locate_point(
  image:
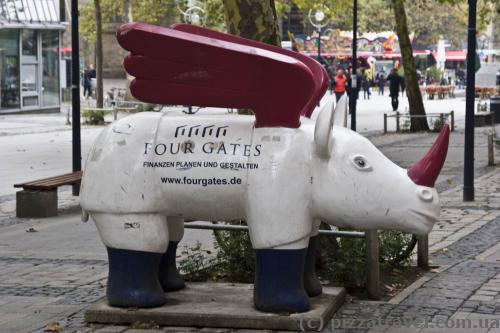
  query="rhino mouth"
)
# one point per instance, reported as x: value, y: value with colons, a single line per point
x: 428, y: 218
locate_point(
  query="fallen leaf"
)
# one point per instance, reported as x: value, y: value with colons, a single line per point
x: 53, y: 327
x: 445, y: 249
x: 31, y: 230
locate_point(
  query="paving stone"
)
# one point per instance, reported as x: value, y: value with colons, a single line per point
x: 112, y: 329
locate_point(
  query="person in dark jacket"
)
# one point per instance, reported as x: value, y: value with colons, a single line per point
x: 394, y: 85
x: 380, y: 78
x: 88, y: 75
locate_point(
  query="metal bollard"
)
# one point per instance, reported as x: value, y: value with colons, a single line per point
x: 452, y: 114
x: 491, y: 151
x: 397, y: 122
x: 385, y: 123
x: 423, y: 251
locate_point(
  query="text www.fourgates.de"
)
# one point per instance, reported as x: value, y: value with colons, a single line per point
x: 204, y: 182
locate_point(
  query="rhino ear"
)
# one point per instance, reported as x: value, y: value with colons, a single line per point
x: 323, y: 132
x: 340, y: 113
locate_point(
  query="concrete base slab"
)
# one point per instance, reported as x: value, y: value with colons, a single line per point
x: 224, y: 305
x: 36, y: 203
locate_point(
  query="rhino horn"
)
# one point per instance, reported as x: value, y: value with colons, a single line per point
x: 426, y: 171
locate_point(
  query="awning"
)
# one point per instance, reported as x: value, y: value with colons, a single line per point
x: 459, y: 55
x: 32, y: 14
x: 366, y: 54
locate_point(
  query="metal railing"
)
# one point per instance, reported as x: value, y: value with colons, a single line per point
x: 442, y: 117
x: 372, y: 250
x: 372, y: 267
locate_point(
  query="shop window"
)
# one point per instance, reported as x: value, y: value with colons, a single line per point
x: 30, y: 46
x: 9, y: 69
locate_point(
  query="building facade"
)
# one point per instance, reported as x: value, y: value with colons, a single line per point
x: 30, y: 61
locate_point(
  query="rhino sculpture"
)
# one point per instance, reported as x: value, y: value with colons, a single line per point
x: 279, y: 170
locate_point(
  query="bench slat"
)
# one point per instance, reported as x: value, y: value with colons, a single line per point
x: 52, y: 182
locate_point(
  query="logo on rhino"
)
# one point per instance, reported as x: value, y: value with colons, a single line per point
x: 206, y: 131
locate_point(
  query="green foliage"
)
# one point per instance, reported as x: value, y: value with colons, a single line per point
x: 160, y: 12
x: 196, y: 263
x: 344, y: 259
x: 93, y: 117
x: 111, y: 10
x: 437, y: 124
x: 405, y: 126
x: 235, y: 255
x: 143, y: 107
x: 234, y: 261
x: 435, y: 73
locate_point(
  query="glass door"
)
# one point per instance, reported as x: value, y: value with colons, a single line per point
x: 29, y: 68
x: 9, y: 69
x: 50, y: 68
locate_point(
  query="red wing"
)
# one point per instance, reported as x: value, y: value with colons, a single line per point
x: 176, y: 67
x: 319, y: 72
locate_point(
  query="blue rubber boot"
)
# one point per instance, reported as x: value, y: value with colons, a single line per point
x: 170, y: 278
x: 133, y: 279
x: 311, y: 281
x: 279, y: 281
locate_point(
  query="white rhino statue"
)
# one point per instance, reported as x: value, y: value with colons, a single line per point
x: 279, y: 170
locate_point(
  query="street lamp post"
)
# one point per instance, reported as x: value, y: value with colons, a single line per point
x: 193, y: 15
x: 317, y: 20
x: 354, y: 81
x: 468, y: 194
x: 75, y: 93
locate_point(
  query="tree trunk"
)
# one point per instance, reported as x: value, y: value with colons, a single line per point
x: 253, y: 19
x: 98, y: 54
x: 412, y: 88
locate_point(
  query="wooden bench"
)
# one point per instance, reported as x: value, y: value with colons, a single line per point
x: 39, y: 197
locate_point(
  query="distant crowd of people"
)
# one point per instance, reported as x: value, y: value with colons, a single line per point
x: 341, y: 83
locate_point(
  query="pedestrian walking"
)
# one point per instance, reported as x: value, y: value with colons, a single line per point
x: 394, y: 85
x: 88, y: 74
x: 339, y: 84
x: 365, y: 84
x: 381, y: 77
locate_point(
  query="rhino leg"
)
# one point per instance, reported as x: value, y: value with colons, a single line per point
x: 311, y: 281
x: 279, y: 281
x: 135, y: 244
x: 169, y: 275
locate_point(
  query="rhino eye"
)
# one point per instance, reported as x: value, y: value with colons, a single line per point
x: 361, y: 163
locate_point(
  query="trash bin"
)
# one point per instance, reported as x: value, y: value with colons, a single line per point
x: 495, y: 107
